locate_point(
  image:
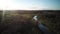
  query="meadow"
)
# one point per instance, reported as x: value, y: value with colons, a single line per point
x: 48, y: 18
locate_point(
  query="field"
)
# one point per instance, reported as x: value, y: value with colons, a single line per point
x: 49, y: 18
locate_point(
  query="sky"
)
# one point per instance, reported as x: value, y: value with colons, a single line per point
x: 29, y: 4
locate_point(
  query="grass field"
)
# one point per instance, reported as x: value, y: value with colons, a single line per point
x: 49, y: 19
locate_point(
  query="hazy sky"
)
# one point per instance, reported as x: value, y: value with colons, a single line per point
x: 30, y: 4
